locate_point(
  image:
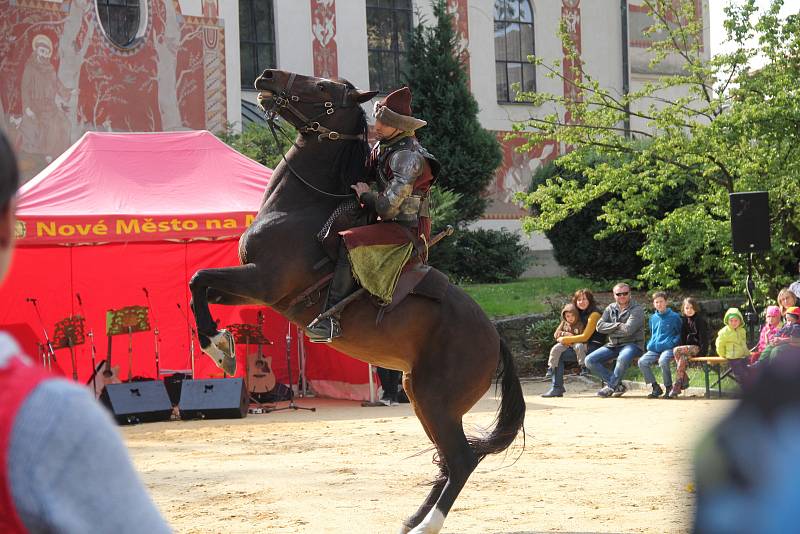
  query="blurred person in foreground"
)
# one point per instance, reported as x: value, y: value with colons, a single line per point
x: 747, y: 468
x: 63, y: 465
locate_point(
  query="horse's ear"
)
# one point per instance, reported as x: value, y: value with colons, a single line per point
x: 362, y: 96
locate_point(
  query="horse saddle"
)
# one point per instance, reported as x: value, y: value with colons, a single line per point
x: 420, y: 279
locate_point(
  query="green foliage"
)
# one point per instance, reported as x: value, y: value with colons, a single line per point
x: 481, y: 256
x: 257, y: 142
x: 582, y: 241
x: 468, y: 153
x: 526, y: 295
x: 732, y: 130
x: 444, y: 209
x: 541, y: 334
x: 574, y: 238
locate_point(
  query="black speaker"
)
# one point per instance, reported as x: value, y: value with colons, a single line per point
x: 137, y: 402
x: 750, y: 221
x: 216, y: 398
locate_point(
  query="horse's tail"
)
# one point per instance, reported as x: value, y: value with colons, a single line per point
x: 510, y: 415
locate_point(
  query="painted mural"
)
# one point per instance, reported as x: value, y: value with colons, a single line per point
x: 323, y: 28
x: 571, y: 15
x: 60, y: 75
x: 514, y: 175
x: 459, y: 10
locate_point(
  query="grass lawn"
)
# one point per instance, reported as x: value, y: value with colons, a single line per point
x: 527, y: 295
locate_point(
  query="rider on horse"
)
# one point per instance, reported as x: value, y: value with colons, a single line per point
x: 400, y: 172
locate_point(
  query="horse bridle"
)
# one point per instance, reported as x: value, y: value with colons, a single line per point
x: 284, y: 99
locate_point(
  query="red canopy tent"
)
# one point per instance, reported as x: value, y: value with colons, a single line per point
x: 119, y: 213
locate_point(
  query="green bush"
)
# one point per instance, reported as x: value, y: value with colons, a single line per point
x: 481, y: 256
x: 541, y: 335
x: 582, y: 242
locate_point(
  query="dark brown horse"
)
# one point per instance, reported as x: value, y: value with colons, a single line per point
x: 449, y: 351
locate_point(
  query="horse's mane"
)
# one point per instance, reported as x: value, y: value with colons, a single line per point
x: 349, y: 164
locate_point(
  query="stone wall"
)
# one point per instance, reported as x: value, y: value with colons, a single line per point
x: 532, y: 361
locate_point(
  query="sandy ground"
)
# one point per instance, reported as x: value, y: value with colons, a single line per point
x: 589, y: 465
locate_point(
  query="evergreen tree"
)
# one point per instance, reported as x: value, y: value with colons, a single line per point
x: 468, y: 153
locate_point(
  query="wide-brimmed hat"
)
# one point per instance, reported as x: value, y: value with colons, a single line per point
x: 395, y: 110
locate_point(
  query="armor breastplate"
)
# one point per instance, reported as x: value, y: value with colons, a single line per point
x: 408, y: 162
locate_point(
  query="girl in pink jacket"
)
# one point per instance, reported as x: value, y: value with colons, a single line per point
x: 768, y: 332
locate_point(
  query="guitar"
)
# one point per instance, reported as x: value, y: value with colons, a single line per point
x: 106, y: 373
x: 261, y: 379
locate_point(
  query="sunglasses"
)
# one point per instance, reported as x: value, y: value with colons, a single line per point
x: 622, y: 294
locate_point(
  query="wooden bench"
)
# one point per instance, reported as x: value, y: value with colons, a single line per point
x: 711, y: 362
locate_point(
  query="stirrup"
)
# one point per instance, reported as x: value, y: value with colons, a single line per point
x: 323, y: 331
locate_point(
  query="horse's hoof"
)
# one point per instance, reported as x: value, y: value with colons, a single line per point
x: 432, y: 524
x: 222, y: 350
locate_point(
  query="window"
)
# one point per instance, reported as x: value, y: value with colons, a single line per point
x: 513, y: 43
x: 120, y: 20
x: 256, y: 39
x: 388, y: 37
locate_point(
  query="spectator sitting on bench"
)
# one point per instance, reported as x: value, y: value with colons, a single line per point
x: 768, y: 332
x: 693, y: 342
x: 790, y: 333
x: 731, y: 344
x: 665, y: 333
x: 786, y: 299
x: 570, y: 325
x: 588, y: 314
x: 623, y: 322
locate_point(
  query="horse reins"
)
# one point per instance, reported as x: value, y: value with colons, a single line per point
x: 284, y: 100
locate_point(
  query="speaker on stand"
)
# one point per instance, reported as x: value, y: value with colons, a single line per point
x: 750, y: 232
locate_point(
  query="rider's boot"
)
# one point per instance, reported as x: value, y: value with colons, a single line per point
x: 327, y: 329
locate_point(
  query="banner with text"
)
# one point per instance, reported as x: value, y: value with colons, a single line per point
x: 121, y: 228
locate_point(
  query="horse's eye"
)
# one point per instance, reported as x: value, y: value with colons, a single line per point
x: 320, y: 87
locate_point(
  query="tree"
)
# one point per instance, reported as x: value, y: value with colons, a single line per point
x: 734, y: 130
x: 257, y: 142
x: 468, y: 153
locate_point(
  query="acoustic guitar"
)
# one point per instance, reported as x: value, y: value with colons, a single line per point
x: 261, y: 379
x: 106, y: 373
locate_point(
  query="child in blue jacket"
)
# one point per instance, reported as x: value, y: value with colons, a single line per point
x: 665, y: 333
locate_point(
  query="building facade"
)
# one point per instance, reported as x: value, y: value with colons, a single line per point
x: 69, y: 66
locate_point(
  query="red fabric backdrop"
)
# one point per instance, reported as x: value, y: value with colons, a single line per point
x: 112, y: 276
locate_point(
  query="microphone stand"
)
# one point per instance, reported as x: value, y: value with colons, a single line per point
x: 49, y: 355
x: 93, y: 351
x: 292, y: 405
x: 155, y: 331
x: 192, y: 335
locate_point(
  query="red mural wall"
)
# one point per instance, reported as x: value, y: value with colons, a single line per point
x: 323, y: 28
x: 60, y: 75
x: 459, y: 10
x: 571, y: 14
x: 514, y: 175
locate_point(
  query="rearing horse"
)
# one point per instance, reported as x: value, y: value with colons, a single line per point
x: 448, y: 350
